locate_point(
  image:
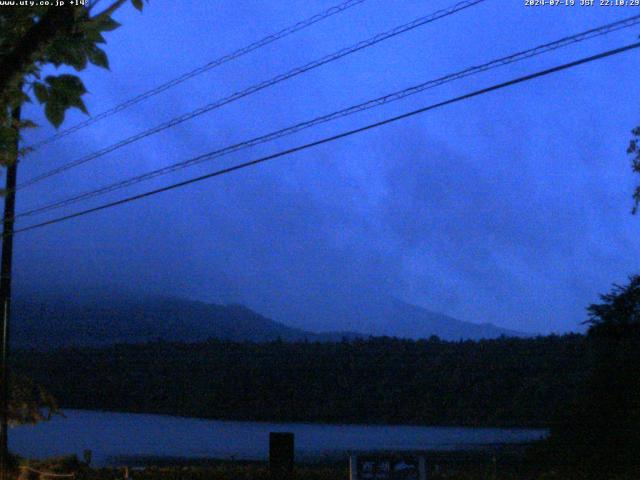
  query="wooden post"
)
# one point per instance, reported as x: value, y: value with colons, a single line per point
x: 422, y: 468
x: 353, y: 467
x: 281, y: 453
x: 5, y: 299
x: 87, y: 455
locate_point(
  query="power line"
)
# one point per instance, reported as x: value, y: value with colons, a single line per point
x: 519, y: 56
x: 322, y: 141
x: 257, y: 87
x: 204, y: 68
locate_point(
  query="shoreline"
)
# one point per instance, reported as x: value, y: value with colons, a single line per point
x: 227, y: 419
x: 507, y: 452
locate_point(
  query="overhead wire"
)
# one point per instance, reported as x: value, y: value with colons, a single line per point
x: 202, y: 69
x: 392, y: 97
x: 333, y: 138
x: 256, y: 88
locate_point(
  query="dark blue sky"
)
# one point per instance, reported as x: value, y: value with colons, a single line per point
x: 511, y: 208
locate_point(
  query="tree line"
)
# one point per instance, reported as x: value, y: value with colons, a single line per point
x: 501, y: 382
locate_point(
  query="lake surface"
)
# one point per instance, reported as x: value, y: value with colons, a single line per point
x: 112, y: 435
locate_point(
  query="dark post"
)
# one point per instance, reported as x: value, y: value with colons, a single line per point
x: 5, y: 299
x: 281, y: 450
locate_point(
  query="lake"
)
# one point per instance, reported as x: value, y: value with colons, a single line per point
x: 113, y: 435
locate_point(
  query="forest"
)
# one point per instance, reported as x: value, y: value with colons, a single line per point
x: 500, y: 382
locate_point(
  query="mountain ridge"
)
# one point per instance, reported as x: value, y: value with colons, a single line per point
x: 63, y: 322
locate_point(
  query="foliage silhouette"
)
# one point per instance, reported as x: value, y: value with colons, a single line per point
x: 39, y: 35
x: 502, y: 382
x: 32, y: 37
x: 601, y: 430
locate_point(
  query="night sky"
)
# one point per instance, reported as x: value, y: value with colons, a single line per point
x: 511, y: 208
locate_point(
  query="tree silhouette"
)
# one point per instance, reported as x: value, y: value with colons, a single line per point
x: 30, y: 402
x: 634, y: 149
x: 32, y: 37
x: 602, y: 430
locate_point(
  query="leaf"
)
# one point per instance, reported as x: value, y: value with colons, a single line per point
x: 73, y: 49
x: 41, y: 91
x: 64, y: 91
x: 74, y: 54
x: 98, y: 57
x: 106, y: 24
x: 79, y: 104
x: 55, y: 54
x: 137, y: 4
x: 65, y: 86
x: 55, y: 113
x: 92, y: 34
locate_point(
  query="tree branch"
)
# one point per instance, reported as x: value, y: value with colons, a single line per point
x: 56, y: 21
x: 111, y: 9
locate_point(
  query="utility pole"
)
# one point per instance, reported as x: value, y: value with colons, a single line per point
x: 5, y: 297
